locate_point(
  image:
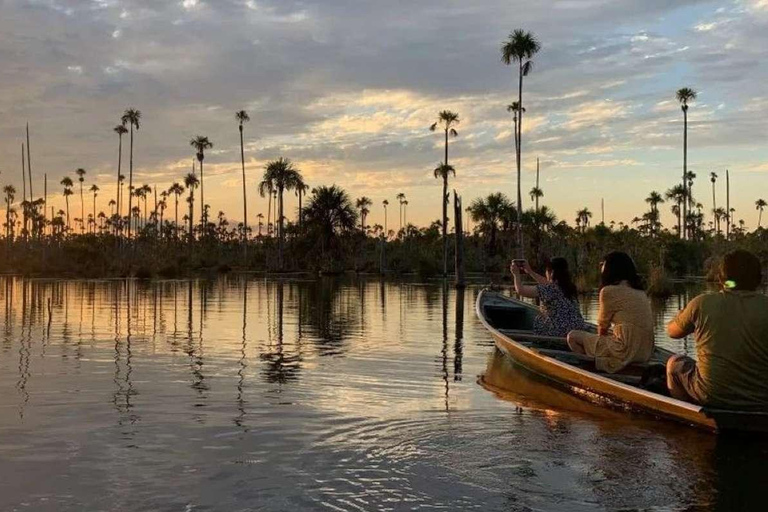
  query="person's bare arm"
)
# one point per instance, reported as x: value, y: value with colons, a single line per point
x: 523, y: 290
x: 684, y: 323
x: 536, y: 277
x: 675, y: 331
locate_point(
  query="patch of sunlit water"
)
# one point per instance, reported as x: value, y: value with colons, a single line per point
x: 245, y: 393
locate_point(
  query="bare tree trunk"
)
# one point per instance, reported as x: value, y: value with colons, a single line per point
x: 457, y: 211
x: 685, y: 173
x: 727, y: 205
x: 445, y: 208
x: 521, y: 249
x: 130, y: 187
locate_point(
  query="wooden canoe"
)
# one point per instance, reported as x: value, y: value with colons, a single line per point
x: 510, y: 322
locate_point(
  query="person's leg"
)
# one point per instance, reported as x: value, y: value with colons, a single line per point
x: 680, y: 372
x: 576, y: 341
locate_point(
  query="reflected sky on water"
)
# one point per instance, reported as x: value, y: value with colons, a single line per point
x: 250, y: 394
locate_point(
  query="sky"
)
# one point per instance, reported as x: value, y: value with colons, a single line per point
x: 347, y: 89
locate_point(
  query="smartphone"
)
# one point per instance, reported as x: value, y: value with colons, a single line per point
x: 519, y: 263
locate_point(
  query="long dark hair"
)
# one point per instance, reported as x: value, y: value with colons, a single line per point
x: 562, y: 277
x: 617, y: 267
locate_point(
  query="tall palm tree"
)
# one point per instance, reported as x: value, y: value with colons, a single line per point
x: 131, y: 117
x: 191, y: 182
x: 176, y: 190
x: 120, y: 130
x: 68, y: 184
x: 400, y: 198
x: 760, y: 205
x: 81, y: 178
x: 445, y: 120
x: 200, y: 144
x: 685, y: 96
x: 443, y: 171
x: 520, y: 47
x: 94, y: 188
x: 362, y: 204
x: 242, y: 117
x: 284, y: 176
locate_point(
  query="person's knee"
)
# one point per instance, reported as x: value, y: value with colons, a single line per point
x: 574, y: 341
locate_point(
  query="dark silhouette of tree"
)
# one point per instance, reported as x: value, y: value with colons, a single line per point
x: 131, y: 117
x: 445, y: 120
x: 520, y: 47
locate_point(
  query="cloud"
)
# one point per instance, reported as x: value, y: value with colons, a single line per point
x: 348, y: 89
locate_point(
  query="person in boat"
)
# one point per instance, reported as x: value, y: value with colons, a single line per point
x: 558, y: 295
x: 731, y: 332
x: 624, y: 319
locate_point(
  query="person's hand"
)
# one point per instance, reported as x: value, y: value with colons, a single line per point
x: 527, y: 267
x: 514, y: 269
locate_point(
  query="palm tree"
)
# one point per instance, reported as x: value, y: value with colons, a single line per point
x: 81, y: 178
x: 260, y: 216
x: 329, y: 213
x: 536, y: 194
x: 120, y: 130
x: 654, y: 199
x: 443, y: 171
x: 176, y: 190
x: 677, y: 194
x: 385, y: 203
x: 266, y: 187
x: 582, y: 218
x: 200, y: 144
x: 10, y: 194
x: 94, y: 188
x: 145, y: 191
x: 400, y: 198
x: 719, y: 214
x: 684, y: 96
x: 446, y: 120
x: 362, y: 204
x: 131, y: 117
x: 520, y: 47
x: 283, y: 176
x: 68, y: 184
x: 760, y: 204
x: 490, y: 214
x: 242, y: 117
x: 301, y: 191
x: 191, y: 182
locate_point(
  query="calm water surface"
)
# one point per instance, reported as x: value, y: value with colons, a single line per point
x: 252, y: 394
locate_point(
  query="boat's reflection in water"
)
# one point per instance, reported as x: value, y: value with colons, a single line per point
x: 724, y: 472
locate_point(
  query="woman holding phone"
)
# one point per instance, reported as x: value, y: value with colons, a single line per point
x: 558, y: 295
